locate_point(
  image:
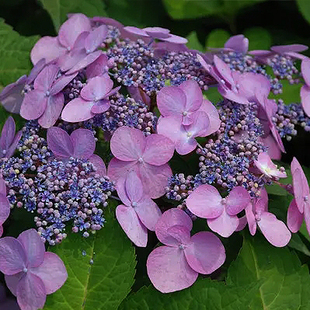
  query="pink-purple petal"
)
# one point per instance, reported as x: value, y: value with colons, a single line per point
x: 128, y: 144
x: 13, y: 258
x: 30, y: 292
x: 148, y: 212
x: 136, y: 31
x: 132, y: 226
x: 193, y: 95
x: 205, y: 202
x: 294, y: 217
x: 133, y: 187
x: 46, y: 78
x: 12, y: 281
x: 34, y: 105
x: 250, y: 219
x: 180, y: 233
x: 169, y: 271
x: 53, y: 110
x: 289, y: 48
x: 61, y: 83
x: 205, y: 253
x: 158, y: 150
x: 59, y: 142
x: 98, y: 67
x: 98, y: 164
x: 224, y: 225
x: 274, y: 230
x: 305, y: 98
x: 237, y: 200
x: 97, y: 88
x: 77, y: 110
x: 52, y: 272
x: 170, y: 218
x: 100, y: 106
x: 212, y: 112
x: 95, y: 38
x: 83, y: 142
x: 4, y: 208
x: 175, y: 39
x: 7, y: 133
x: 238, y: 43
x: 118, y: 168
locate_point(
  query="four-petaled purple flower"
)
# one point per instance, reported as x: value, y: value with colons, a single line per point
x: 30, y: 272
x: 138, y: 212
x: 221, y: 213
x: 80, y: 144
x: 148, y: 156
x: 176, y: 265
x: 94, y: 100
x: 8, y: 139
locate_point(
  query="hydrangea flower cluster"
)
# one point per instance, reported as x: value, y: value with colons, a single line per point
x: 144, y: 95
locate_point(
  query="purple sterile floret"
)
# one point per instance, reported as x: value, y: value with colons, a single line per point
x: 30, y: 272
x: 176, y: 265
x: 139, y: 212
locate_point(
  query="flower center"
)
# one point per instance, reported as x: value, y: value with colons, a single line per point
x: 134, y: 204
x: 140, y: 160
x: 306, y: 198
x: 185, y: 113
x: 189, y: 134
x: 25, y: 270
x: 47, y: 93
x: 223, y: 201
x: 181, y: 246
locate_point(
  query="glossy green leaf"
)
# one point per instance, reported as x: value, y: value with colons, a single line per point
x: 14, y: 54
x: 101, y: 270
x: 58, y: 9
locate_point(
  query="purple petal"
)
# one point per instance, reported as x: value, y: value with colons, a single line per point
x: 169, y: 271
x: 305, y: 99
x: 34, y: 105
x: 232, y: 95
x: 180, y: 233
x: 294, y: 217
x: 100, y: 106
x: 305, y: 70
x: 154, y: 179
x: 157, y: 32
x: 175, y: 39
x: 301, y: 188
x: 274, y: 230
x: 148, y: 212
x: 30, y: 292
x: 136, y: 31
x: 53, y: 110
x: 170, y: 218
x: 121, y: 189
x: 61, y: 83
x: 98, y: 164
x: 214, y: 119
x: 224, y: 225
x: 12, y: 97
x: 33, y: 246
x: 1, y: 230
x: 59, y: 142
x: 118, y: 168
x: 4, y: 208
x: 200, y: 125
x: 72, y: 28
x: 128, y: 144
x: 3, y: 190
x: 193, y: 95
x: 95, y: 38
x: 307, y: 216
x: 251, y: 219
x: 47, y: 48
x: 272, y: 147
x: 46, y: 78
x: 133, y: 187
x: 223, y: 69
x: 70, y: 59
x: 289, y: 48
x: 131, y: 225
x: 158, y: 150
x: 12, y: 256
x: 7, y: 133
x: 237, y: 200
x: 238, y: 43
x: 52, y: 272
x: 38, y: 67
x: 83, y: 142
x: 171, y: 101
x: 77, y: 110
x: 89, y: 59
x: 98, y: 67
x: 12, y: 281
x: 205, y: 253
x: 97, y: 88
x: 205, y: 202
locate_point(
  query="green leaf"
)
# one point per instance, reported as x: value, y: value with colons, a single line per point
x: 193, y: 42
x: 297, y: 244
x: 187, y: 9
x: 101, y: 270
x: 304, y: 8
x: 217, y: 38
x: 259, y: 38
x: 14, y: 54
x: 58, y: 9
x: 283, y: 278
x: 290, y: 94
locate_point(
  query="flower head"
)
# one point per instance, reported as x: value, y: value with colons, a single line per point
x: 138, y: 212
x: 176, y: 265
x: 148, y: 156
x: 221, y: 213
x: 30, y: 272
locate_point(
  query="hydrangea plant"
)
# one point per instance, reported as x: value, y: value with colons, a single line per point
x: 183, y: 170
